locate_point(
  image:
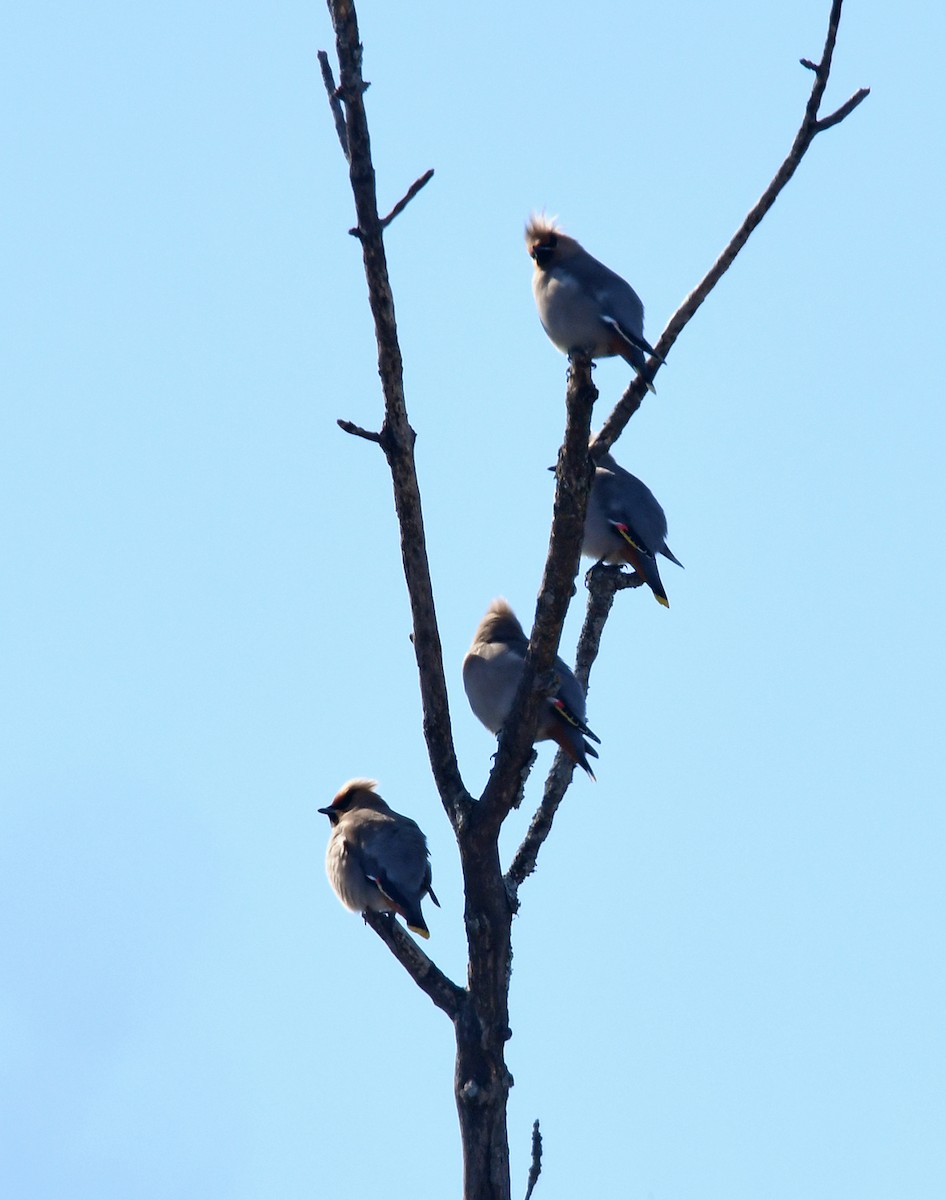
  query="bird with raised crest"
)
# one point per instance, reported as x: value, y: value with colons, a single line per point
x: 377, y: 860
x: 492, y: 669
x: 583, y: 305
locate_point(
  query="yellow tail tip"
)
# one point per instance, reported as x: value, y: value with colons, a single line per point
x: 424, y: 933
x: 662, y: 600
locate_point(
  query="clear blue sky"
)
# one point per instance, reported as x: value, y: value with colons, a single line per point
x: 729, y: 970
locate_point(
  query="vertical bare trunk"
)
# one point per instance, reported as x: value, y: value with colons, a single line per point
x: 482, y: 1080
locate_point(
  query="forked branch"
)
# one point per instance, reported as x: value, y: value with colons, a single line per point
x: 810, y: 127
x: 604, y: 582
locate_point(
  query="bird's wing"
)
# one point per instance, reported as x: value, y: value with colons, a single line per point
x: 627, y: 531
x: 394, y: 856
x: 633, y: 340
x: 491, y: 678
x: 629, y: 502
x: 643, y: 560
x: 569, y: 703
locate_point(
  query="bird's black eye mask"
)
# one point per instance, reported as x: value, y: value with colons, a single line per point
x: 542, y: 251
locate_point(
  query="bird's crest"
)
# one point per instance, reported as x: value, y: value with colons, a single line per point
x: 539, y: 228
x: 353, y: 792
x: 500, y: 624
x: 542, y: 239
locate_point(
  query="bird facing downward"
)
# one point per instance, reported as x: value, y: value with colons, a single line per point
x: 377, y: 859
x: 625, y: 524
x: 492, y: 669
x: 583, y: 305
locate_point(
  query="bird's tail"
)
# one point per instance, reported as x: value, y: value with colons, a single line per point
x: 572, y: 735
x: 643, y: 562
x: 632, y: 347
x: 648, y: 568
x: 416, y: 923
x: 633, y: 355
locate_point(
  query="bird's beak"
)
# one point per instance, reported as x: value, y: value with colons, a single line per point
x: 327, y: 811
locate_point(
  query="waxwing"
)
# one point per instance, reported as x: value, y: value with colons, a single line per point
x: 492, y: 669
x: 582, y: 304
x: 377, y: 859
x: 625, y: 524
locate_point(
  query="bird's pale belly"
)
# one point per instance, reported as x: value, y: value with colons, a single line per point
x: 571, y: 321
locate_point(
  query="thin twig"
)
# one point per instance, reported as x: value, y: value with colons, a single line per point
x: 407, y: 198
x: 356, y: 431
x: 808, y: 130
x: 525, y: 859
x: 425, y: 973
x: 603, y: 582
x: 845, y: 110
x: 334, y: 101
x: 536, y: 1169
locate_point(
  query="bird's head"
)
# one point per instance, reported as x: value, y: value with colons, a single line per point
x: 500, y: 624
x: 542, y: 240
x: 357, y: 793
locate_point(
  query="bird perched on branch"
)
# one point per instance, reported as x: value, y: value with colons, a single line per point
x: 377, y: 859
x: 492, y: 669
x: 583, y: 305
x: 625, y: 524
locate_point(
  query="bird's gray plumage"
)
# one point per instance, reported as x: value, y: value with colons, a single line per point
x: 377, y: 859
x: 625, y: 523
x: 492, y: 669
x: 582, y: 304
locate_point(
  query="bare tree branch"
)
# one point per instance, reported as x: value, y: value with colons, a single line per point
x: 447, y: 995
x: 525, y: 859
x: 603, y: 581
x: 397, y: 437
x: 407, y: 197
x: 356, y: 431
x: 536, y: 1169
x: 846, y: 108
x: 574, y: 473
x: 482, y: 1079
x: 333, y: 101
x: 810, y: 127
